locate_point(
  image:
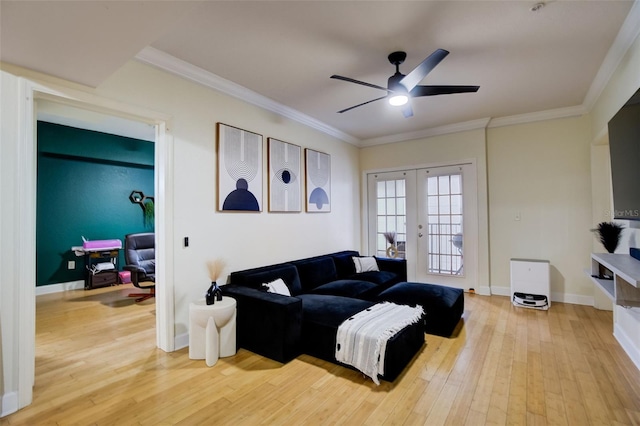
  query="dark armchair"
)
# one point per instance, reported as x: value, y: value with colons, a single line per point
x: 140, y: 258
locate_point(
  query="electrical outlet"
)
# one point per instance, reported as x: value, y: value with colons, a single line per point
x: 71, y: 264
x: 517, y: 216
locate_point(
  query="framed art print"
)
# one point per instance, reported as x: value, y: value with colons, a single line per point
x: 318, y: 181
x: 285, y: 188
x: 239, y: 169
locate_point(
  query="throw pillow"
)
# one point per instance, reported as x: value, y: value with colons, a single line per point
x: 278, y: 286
x: 365, y: 264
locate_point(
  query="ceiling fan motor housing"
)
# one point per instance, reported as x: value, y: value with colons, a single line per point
x: 393, y: 84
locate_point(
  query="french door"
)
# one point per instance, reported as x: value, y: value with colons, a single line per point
x: 391, y: 201
x: 447, y: 227
x: 432, y: 213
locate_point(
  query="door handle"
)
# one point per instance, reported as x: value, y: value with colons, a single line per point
x: 420, y: 234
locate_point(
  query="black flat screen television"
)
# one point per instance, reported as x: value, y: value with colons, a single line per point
x: 624, y: 149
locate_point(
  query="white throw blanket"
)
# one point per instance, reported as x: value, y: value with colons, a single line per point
x: 361, y: 341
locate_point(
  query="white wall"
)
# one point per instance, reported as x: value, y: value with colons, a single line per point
x: 541, y: 172
x: 242, y: 239
x: 624, y: 83
x: 449, y: 148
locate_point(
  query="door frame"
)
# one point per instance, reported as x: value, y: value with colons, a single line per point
x: 30, y: 91
x: 470, y: 226
x: 366, y: 220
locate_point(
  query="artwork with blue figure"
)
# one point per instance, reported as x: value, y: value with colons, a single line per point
x: 241, y: 198
x: 319, y: 197
x: 318, y: 181
x: 284, y: 176
x: 239, y: 169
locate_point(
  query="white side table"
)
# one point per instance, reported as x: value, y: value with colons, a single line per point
x: 212, y: 330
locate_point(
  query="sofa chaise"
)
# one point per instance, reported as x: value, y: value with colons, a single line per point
x: 324, y: 292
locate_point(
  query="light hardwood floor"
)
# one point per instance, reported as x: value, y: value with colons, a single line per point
x: 96, y: 363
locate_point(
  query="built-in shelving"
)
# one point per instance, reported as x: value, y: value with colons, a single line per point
x: 622, y: 284
x: 624, y: 290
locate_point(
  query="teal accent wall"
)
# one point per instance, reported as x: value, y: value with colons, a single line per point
x: 84, y: 182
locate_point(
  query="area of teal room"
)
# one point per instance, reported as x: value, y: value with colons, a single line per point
x: 84, y: 182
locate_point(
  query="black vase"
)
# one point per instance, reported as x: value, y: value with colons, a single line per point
x: 214, y: 293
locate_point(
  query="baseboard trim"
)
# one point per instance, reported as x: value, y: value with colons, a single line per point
x: 9, y: 403
x: 483, y: 290
x: 59, y: 288
x: 574, y: 299
x: 627, y: 344
x: 500, y: 291
x: 181, y: 341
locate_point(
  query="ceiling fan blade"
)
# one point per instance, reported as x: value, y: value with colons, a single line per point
x: 407, y: 111
x: 412, y: 79
x: 351, y: 80
x: 359, y: 105
x: 441, y: 90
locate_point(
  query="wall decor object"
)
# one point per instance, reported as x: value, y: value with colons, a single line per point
x: 147, y: 204
x: 285, y: 188
x: 318, y: 181
x: 239, y: 169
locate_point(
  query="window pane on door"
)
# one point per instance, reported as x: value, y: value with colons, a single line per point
x: 444, y: 206
x: 391, y: 216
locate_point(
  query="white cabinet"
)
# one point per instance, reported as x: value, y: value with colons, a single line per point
x: 530, y: 283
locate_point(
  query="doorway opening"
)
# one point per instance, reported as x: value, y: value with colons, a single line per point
x: 432, y: 213
x: 88, y: 164
x: 32, y: 93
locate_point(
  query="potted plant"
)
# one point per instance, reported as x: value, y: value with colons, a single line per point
x: 214, y: 293
x: 149, y: 212
x: 609, y: 234
x: 392, y: 250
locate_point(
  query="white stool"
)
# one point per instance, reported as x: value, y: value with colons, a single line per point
x: 212, y: 330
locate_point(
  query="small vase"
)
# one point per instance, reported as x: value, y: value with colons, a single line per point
x: 214, y: 293
x: 217, y: 292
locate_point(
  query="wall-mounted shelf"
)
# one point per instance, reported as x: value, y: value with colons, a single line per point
x: 623, y: 287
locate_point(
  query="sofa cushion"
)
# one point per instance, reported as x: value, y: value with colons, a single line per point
x: 443, y: 305
x: 383, y: 278
x: 330, y: 311
x: 322, y: 315
x: 365, y: 264
x: 344, y: 264
x: 346, y: 288
x: 315, y: 272
x: 288, y: 273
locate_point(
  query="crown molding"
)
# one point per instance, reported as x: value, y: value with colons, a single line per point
x: 166, y: 62
x: 549, y: 114
x: 626, y: 36
x: 426, y: 133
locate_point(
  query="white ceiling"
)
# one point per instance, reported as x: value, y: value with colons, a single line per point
x: 282, y: 53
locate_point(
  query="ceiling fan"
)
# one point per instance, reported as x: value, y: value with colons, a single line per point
x: 401, y: 87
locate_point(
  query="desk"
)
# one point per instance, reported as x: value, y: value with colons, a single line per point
x: 212, y: 330
x: 94, y: 256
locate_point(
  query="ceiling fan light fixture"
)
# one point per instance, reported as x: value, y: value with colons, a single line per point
x: 398, y: 100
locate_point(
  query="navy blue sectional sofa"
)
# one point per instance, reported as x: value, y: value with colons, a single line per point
x: 325, y: 291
